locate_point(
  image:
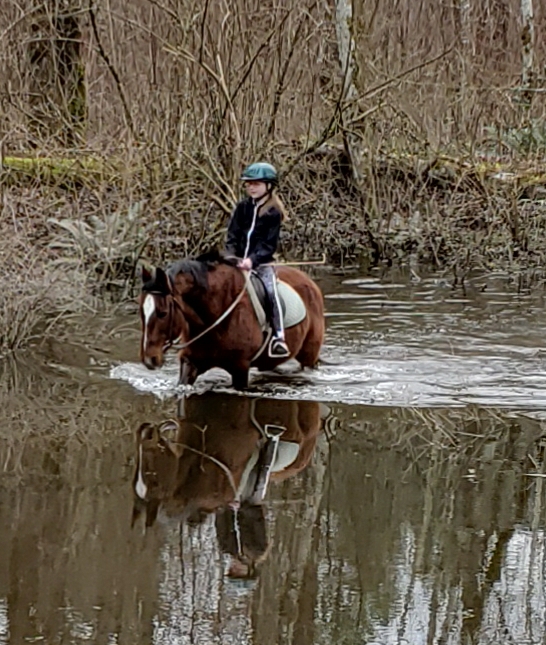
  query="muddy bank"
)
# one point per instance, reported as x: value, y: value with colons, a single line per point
x: 71, y: 241
x: 438, y: 211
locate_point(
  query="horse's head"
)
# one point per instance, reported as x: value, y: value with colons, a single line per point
x: 162, y: 317
x: 178, y: 472
x: 156, y: 467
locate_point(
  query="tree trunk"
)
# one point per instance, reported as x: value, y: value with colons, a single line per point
x: 461, y: 102
x: 347, y: 61
x: 56, y: 72
x: 527, y: 49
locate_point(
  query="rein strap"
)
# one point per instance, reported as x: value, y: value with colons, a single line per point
x: 216, y: 322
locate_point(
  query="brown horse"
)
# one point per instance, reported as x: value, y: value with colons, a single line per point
x: 184, y: 305
x: 210, y: 463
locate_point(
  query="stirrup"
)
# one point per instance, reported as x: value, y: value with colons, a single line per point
x: 278, y: 348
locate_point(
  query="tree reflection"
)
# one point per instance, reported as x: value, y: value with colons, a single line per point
x: 419, y: 526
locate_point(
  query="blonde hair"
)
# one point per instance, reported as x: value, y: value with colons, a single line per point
x: 274, y: 201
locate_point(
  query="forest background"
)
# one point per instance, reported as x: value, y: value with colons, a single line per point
x: 405, y: 131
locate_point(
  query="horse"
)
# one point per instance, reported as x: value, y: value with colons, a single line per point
x: 203, y: 304
x: 211, y: 462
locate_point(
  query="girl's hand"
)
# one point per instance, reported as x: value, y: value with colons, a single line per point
x: 245, y: 264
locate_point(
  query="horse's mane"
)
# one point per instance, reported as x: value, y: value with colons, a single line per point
x: 199, y: 266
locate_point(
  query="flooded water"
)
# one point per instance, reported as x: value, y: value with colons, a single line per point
x: 394, y: 342
x: 394, y: 496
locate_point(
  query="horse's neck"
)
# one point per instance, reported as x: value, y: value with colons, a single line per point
x: 226, y: 278
x: 224, y: 285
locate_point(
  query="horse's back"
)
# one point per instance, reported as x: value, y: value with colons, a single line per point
x: 305, y: 286
x: 313, y: 326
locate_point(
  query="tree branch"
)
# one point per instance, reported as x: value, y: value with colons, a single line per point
x: 112, y: 70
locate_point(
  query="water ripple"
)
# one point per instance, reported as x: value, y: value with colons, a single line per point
x: 396, y: 344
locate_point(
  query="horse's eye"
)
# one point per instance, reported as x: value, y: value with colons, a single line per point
x: 161, y: 314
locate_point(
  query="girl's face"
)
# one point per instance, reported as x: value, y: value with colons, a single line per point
x: 256, y: 189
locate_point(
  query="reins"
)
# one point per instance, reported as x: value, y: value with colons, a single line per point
x: 178, y: 346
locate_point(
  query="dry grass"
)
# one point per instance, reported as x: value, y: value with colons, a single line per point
x: 31, y: 293
x: 465, y: 439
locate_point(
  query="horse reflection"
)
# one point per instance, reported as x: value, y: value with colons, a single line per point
x: 220, y: 460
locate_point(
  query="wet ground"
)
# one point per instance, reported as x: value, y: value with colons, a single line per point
x: 404, y: 503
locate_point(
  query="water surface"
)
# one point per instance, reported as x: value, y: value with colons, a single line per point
x: 391, y: 341
x: 408, y: 506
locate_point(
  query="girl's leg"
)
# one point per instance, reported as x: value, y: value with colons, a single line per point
x: 278, y: 346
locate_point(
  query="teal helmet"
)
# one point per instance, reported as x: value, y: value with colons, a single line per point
x: 260, y: 171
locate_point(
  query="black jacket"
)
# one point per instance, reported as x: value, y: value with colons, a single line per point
x: 264, y: 231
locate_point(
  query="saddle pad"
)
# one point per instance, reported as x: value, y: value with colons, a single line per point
x: 293, y: 308
x: 287, y: 453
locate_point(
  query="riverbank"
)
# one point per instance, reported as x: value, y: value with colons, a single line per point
x: 71, y: 231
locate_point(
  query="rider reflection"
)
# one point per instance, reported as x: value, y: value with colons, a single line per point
x: 242, y: 533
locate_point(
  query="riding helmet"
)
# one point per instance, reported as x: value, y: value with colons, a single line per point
x: 260, y: 171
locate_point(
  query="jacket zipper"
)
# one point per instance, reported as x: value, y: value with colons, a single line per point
x: 251, y: 229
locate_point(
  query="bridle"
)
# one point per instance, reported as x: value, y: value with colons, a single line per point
x: 172, y: 303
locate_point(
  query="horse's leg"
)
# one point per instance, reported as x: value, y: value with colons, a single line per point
x: 188, y: 373
x: 239, y: 378
x: 308, y: 356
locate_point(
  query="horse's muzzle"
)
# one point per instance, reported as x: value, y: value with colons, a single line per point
x: 152, y: 362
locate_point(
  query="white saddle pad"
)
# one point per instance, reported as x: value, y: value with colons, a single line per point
x: 293, y: 307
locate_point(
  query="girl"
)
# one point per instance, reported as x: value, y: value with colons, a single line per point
x: 253, y: 235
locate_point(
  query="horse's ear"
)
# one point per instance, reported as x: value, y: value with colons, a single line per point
x: 163, y: 282
x: 170, y: 425
x: 145, y: 431
x: 137, y: 512
x: 146, y: 274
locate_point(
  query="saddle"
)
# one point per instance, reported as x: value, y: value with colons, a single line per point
x: 293, y: 308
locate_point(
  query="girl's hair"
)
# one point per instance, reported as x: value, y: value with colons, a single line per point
x: 274, y: 201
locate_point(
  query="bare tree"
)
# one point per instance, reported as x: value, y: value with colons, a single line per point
x: 349, y: 92
x: 55, y: 71
x: 527, y: 47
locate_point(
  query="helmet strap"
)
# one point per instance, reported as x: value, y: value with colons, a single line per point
x: 262, y: 200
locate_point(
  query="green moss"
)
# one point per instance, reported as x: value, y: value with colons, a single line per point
x: 82, y: 171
